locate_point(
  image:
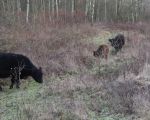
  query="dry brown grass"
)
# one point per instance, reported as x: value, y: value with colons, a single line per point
x: 71, y: 71
x: 57, y: 50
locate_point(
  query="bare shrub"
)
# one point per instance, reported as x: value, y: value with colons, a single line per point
x: 129, y: 97
x: 121, y: 96
x: 142, y: 102
x: 57, y: 50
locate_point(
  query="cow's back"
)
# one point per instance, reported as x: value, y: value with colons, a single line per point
x: 120, y: 39
x: 11, y: 60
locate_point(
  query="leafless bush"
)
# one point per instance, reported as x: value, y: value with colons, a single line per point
x: 142, y: 102
x: 57, y: 50
x: 121, y: 96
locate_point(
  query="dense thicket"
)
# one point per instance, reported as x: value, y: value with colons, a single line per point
x: 73, y: 11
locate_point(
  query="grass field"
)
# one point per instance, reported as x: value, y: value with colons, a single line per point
x: 76, y: 85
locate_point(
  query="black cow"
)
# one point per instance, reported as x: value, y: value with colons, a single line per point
x: 117, y: 42
x: 18, y: 67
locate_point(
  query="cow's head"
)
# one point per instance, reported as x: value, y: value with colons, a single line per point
x: 111, y: 40
x: 96, y: 54
x: 38, y: 75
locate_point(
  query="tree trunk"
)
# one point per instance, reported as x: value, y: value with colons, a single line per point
x: 49, y: 8
x: 93, y: 6
x: 27, y: 14
x: 18, y: 10
x: 57, y: 8
x: 117, y: 7
x: 105, y: 10
x: 3, y: 6
x: 53, y: 7
x: 72, y: 8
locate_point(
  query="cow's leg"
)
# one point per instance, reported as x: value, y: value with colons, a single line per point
x: 12, y: 82
x: 1, y: 88
x: 13, y: 75
x: 17, y: 78
x: 116, y: 50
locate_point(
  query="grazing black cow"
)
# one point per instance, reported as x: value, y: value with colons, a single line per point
x: 18, y: 67
x: 117, y: 42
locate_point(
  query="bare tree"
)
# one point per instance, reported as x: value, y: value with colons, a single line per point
x: 56, y: 8
x: 72, y: 8
x: 18, y: 10
x: 105, y: 10
x: 94, y: 10
x: 27, y: 13
x: 49, y: 9
x: 53, y: 7
x: 92, y: 15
